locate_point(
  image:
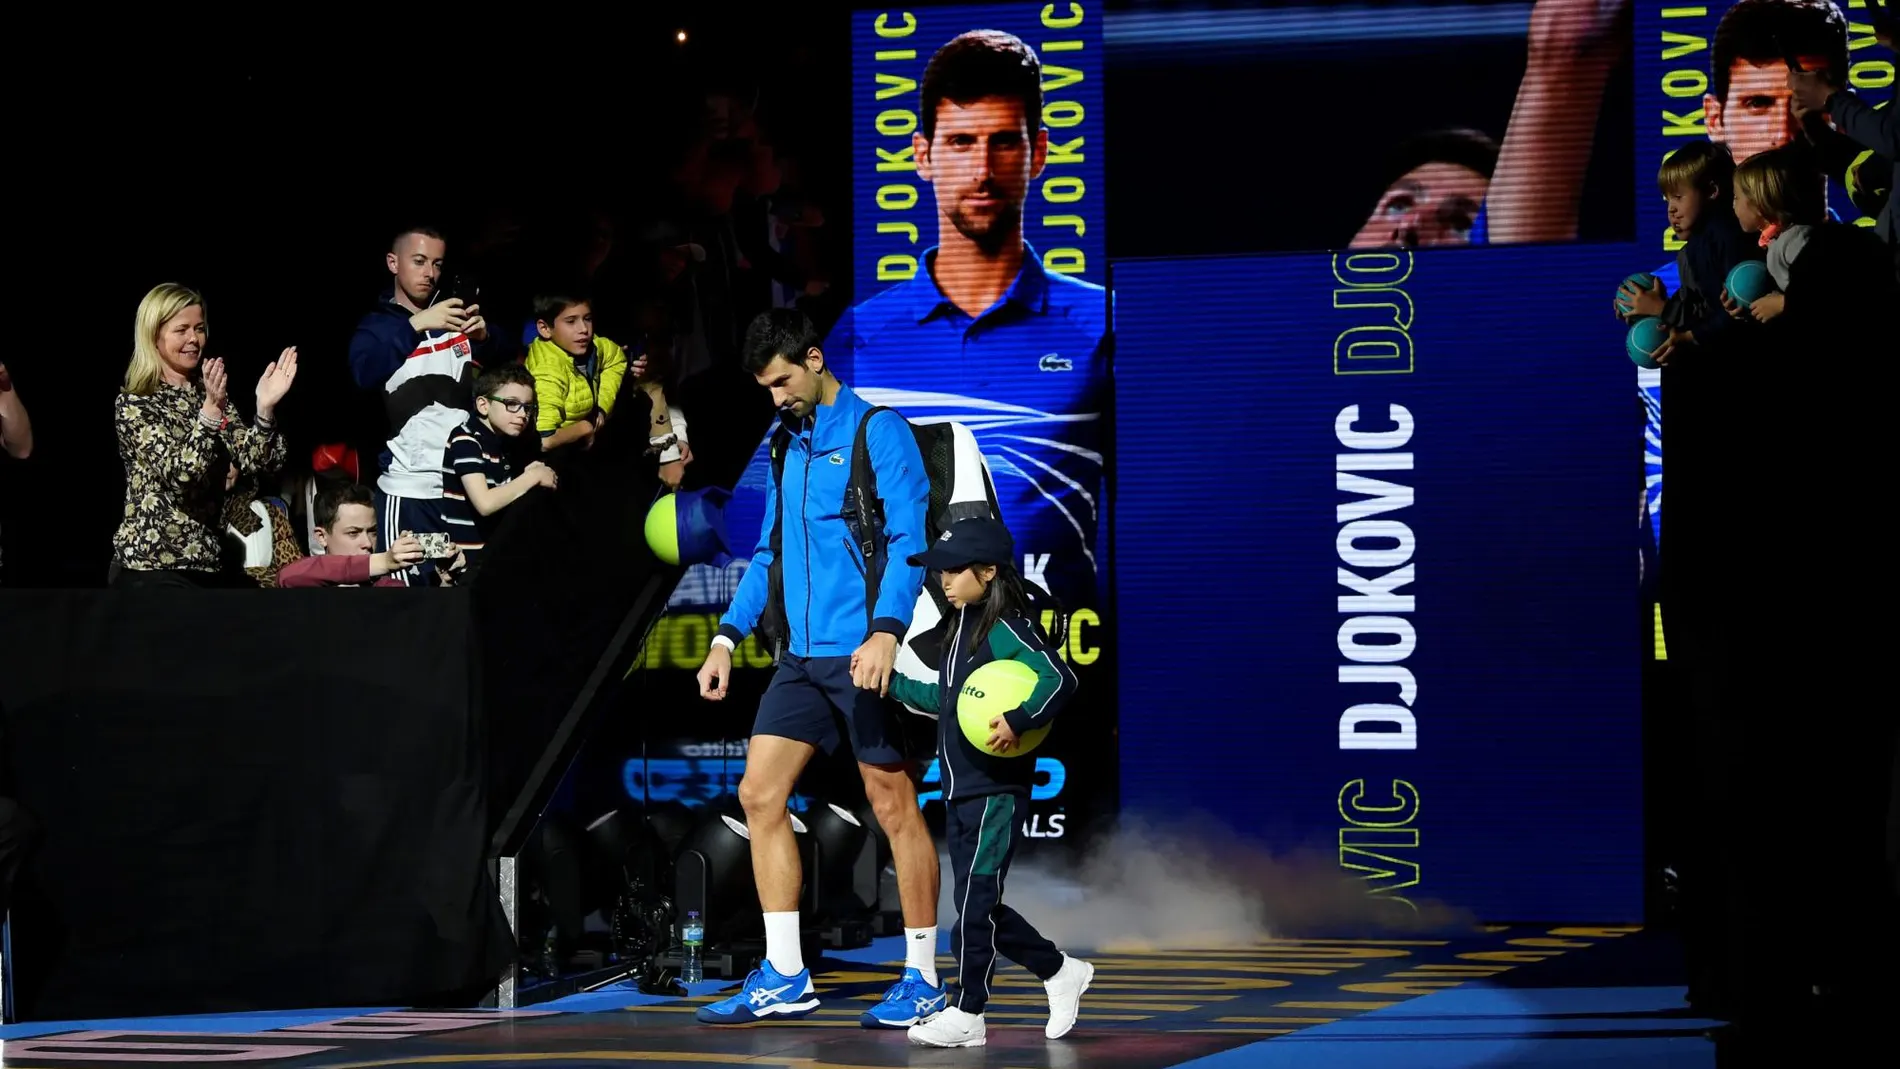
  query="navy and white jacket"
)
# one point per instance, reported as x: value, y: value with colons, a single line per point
x: 425, y: 378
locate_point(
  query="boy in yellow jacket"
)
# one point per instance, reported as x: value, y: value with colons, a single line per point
x: 578, y: 377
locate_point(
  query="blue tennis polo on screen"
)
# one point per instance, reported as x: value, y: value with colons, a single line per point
x: 1028, y: 376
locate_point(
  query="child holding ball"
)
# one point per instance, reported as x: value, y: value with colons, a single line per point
x: 1697, y: 181
x: 984, y: 794
x: 1836, y: 290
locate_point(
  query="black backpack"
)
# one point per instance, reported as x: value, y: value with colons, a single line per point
x: 863, y: 512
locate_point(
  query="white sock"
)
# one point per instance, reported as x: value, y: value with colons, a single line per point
x: 781, y: 943
x: 920, y: 952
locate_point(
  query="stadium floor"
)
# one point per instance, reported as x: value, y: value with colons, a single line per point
x: 1503, y: 996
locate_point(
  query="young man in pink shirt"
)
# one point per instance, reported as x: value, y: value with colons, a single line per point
x: 346, y: 528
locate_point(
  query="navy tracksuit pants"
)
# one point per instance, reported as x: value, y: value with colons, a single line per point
x: 982, y: 835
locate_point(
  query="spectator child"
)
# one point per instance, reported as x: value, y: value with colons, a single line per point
x: 478, y: 479
x: 578, y: 376
x: 1697, y: 183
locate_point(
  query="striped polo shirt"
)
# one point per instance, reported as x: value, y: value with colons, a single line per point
x: 474, y: 449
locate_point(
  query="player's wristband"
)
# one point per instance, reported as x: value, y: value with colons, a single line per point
x: 721, y: 640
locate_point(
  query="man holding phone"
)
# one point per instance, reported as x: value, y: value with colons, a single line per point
x: 421, y: 347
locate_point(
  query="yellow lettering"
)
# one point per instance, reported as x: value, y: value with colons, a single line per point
x: 1372, y: 268
x: 904, y: 159
x: 1685, y: 83
x: 1064, y: 151
x: 1871, y: 74
x: 1681, y: 44
x: 1080, y: 652
x: 1063, y: 189
x: 1061, y: 46
x: 909, y: 230
x: 1065, y: 261
x: 1355, y: 810
x: 896, y: 122
x: 1688, y: 124
x: 1375, y: 349
x: 1072, y: 19
x: 1056, y: 78
x: 756, y: 655
x: 689, y: 639
x: 896, y: 55
x: 1381, y: 867
x: 1671, y: 242
x: 897, y: 85
x: 897, y: 198
x: 1062, y: 113
x: 1380, y: 297
x: 885, y: 29
x: 1684, y: 12
x: 1074, y: 222
x: 897, y: 267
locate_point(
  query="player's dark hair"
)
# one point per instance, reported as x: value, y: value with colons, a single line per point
x: 1473, y: 149
x: 332, y: 499
x: 785, y: 332
x: 549, y: 304
x: 494, y: 378
x: 395, y: 242
x: 979, y: 64
x: 1699, y: 165
x: 1763, y: 31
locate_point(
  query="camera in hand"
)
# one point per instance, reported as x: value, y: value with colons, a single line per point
x: 464, y: 288
x: 436, y: 545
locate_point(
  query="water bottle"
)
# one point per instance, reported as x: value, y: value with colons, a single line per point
x: 692, y: 939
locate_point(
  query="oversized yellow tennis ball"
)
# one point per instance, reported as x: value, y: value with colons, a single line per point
x: 663, y: 531
x: 994, y: 689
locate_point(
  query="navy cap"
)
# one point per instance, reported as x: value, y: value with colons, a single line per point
x: 967, y: 542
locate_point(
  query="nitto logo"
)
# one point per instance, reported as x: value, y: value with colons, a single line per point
x: 1055, y: 362
x: 972, y: 691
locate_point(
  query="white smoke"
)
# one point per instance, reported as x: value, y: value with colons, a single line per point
x: 1184, y: 885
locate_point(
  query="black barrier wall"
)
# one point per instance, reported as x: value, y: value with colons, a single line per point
x: 248, y: 800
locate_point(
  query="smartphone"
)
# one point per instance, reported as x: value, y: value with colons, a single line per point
x: 458, y: 287
x: 436, y: 545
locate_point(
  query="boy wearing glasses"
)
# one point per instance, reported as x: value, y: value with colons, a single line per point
x: 477, y: 478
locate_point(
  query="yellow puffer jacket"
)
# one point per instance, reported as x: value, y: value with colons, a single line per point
x: 563, y: 393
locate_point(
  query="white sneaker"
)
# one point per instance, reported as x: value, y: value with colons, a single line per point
x: 1065, y: 995
x: 951, y: 1028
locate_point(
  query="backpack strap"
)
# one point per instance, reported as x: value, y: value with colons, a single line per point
x: 773, y: 626
x: 863, y: 512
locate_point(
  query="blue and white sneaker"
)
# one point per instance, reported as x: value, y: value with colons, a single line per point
x: 765, y: 994
x: 910, y: 1001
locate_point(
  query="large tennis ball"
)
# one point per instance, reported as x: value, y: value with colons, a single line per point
x: 1749, y: 282
x: 994, y: 689
x: 1645, y: 337
x: 1642, y: 280
x: 663, y: 535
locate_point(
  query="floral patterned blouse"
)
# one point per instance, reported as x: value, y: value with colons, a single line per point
x: 175, y: 467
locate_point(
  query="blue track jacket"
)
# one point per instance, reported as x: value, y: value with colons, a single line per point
x: 824, y: 575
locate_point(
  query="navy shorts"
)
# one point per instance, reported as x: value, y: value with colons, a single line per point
x: 394, y: 515
x: 807, y: 697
